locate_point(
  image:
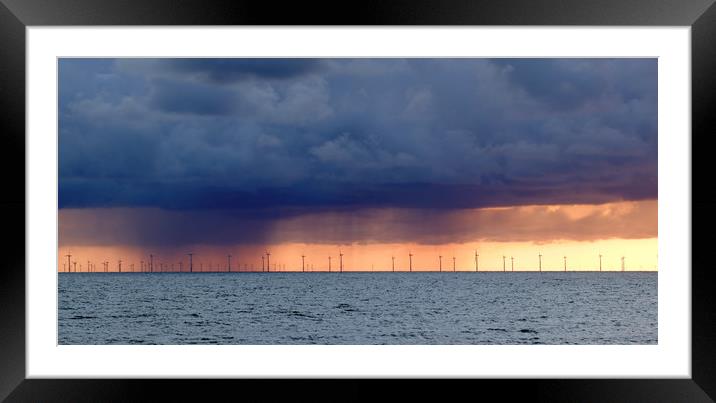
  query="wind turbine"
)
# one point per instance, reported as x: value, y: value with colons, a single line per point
x: 119, y: 265
x: 191, y: 261
x: 622, y: 263
x: 477, y: 262
x: 540, y: 261
x: 503, y: 262
x: 512, y: 262
x: 453, y: 263
x: 262, y: 263
x: 565, y: 263
x: 340, y: 254
x: 441, y: 262
x: 329, y: 263
x: 410, y: 254
x: 68, y: 262
x: 303, y: 263
x: 393, y: 259
x: 151, y: 263
x: 268, y: 261
x: 600, y: 262
x: 228, y: 258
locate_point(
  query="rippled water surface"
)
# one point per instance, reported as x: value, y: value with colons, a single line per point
x: 358, y: 308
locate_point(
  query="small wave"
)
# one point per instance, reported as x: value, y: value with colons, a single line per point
x: 528, y: 331
x: 496, y: 329
x: 303, y: 315
x: 141, y: 315
x: 82, y: 317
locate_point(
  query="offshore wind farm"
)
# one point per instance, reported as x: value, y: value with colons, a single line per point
x: 71, y: 267
x: 357, y: 201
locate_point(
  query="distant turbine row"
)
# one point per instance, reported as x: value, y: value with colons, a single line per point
x: 148, y: 267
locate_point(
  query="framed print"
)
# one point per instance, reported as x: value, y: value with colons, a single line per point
x: 421, y: 192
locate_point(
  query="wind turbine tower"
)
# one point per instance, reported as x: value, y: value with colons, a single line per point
x: 503, y: 262
x: 600, y: 262
x: 329, y: 264
x: 228, y: 258
x: 540, y: 262
x: 410, y: 255
x: 477, y: 262
x: 393, y: 259
x: 340, y: 254
x: 565, y: 263
x: 268, y: 261
x: 68, y: 262
x: 441, y: 262
x: 453, y: 263
x: 622, y: 263
x: 303, y: 263
x: 119, y: 265
x: 512, y: 263
x: 151, y: 263
x: 191, y: 262
x: 262, y: 263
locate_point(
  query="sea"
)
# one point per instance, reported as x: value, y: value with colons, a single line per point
x: 355, y: 308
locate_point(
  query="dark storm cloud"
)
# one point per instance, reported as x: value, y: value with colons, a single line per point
x: 227, y: 70
x: 246, y: 134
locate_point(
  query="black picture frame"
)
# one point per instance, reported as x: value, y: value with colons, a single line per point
x: 16, y: 15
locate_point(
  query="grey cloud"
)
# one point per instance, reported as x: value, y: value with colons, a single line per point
x: 326, y: 134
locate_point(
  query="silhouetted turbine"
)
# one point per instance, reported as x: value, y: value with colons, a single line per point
x: 540, y: 262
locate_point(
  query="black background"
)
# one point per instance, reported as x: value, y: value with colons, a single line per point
x: 15, y: 15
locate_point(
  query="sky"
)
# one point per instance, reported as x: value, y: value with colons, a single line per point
x: 371, y: 158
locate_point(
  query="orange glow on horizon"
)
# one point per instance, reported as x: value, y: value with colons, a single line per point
x: 640, y: 254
